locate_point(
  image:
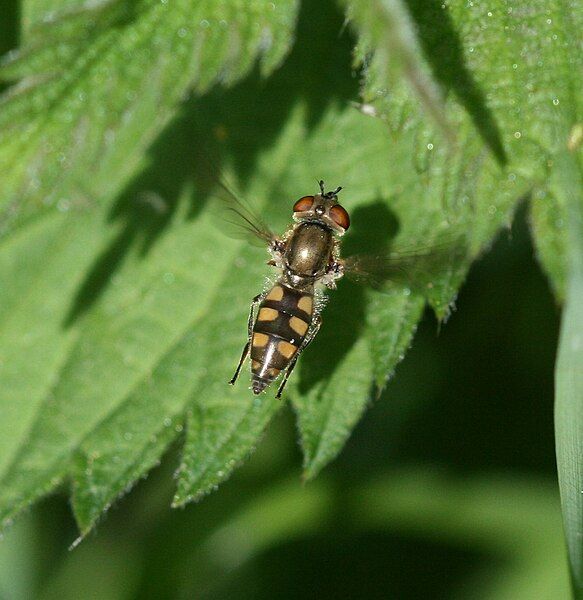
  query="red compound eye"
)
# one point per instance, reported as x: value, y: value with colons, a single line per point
x: 340, y: 216
x: 304, y: 204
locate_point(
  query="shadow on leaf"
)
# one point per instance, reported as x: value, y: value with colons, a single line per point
x: 240, y: 122
x: 443, y: 51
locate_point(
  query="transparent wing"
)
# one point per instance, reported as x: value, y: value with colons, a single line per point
x: 237, y: 217
x: 414, y: 268
x: 243, y: 222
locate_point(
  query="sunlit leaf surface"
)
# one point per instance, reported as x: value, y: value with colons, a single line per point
x: 127, y: 306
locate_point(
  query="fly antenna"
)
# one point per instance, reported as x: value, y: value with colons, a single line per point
x: 328, y: 194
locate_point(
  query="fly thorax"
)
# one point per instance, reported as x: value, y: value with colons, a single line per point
x: 308, y: 251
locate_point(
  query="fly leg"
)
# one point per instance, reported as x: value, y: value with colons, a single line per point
x: 334, y: 269
x: 276, y: 249
x: 311, y: 335
x: 245, y: 352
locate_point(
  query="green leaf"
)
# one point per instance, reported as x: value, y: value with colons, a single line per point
x: 129, y: 305
x: 493, y: 162
x: 568, y: 182
x: 99, y: 81
x: 47, y: 261
x: 472, y: 185
x: 386, y: 27
x: 81, y: 134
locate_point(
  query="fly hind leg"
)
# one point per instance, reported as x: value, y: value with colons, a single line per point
x: 311, y: 335
x: 245, y: 352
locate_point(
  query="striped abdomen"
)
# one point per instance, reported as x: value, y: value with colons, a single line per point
x: 284, y: 317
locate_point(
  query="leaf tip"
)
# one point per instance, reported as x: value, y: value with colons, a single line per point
x: 310, y: 472
x: 182, y: 497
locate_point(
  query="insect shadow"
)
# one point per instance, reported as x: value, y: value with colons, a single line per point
x: 373, y: 227
x: 238, y: 123
x: 143, y: 211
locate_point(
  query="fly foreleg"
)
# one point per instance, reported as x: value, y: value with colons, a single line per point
x: 334, y: 271
x: 245, y: 352
x: 276, y: 249
x: 317, y: 322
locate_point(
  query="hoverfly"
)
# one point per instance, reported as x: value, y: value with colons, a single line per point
x: 284, y: 319
x: 288, y: 316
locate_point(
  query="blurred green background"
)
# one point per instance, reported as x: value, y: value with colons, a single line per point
x: 446, y: 489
